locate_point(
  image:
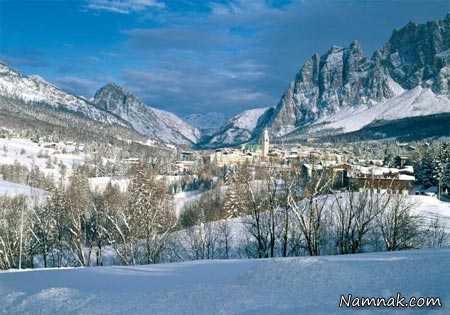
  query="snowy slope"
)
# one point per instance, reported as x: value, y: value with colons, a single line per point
x: 291, y: 286
x: 33, y: 89
x: 175, y: 122
x: 238, y: 129
x: 411, y: 103
x: 30, y: 154
x: 430, y: 208
x: 248, y: 119
x: 13, y: 190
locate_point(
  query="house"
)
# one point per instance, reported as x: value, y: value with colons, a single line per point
x: 382, y: 178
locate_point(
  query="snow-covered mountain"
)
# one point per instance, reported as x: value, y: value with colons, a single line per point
x: 35, y: 90
x: 343, y: 91
x: 238, y: 129
x: 111, y: 106
x: 207, y: 123
x: 148, y: 121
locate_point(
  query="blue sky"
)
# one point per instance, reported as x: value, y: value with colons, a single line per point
x: 191, y: 56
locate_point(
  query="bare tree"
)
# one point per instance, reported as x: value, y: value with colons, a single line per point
x: 116, y: 224
x: 152, y: 212
x: 288, y: 179
x: 254, y: 204
x: 78, y: 207
x: 436, y: 235
x: 43, y: 232
x: 101, y: 231
x: 57, y: 207
x: 10, y: 233
x: 309, y: 200
x: 399, y: 227
x: 354, y: 214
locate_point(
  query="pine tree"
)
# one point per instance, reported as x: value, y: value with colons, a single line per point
x: 446, y: 176
x: 233, y: 206
x: 426, y: 170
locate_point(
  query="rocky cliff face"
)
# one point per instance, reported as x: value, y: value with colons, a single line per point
x: 419, y: 54
x: 344, y: 78
x: 148, y: 121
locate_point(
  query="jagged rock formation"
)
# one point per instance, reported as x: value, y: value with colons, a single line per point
x: 148, y: 121
x: 344, y: 81
x: 31, y: 105
x: 341, y: 91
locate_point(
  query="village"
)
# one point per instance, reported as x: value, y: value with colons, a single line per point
x: 180, y: 173
x: 349, y: 171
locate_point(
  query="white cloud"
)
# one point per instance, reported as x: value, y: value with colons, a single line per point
x: 123, y: 6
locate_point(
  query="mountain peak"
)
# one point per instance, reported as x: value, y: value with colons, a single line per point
x: 113, y: 86
x: 148, y: 121
x: 112, y: 97
x: 356, y: 46
x: 344, y: 79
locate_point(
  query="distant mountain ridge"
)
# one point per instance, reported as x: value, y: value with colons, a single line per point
x: 34, y: 89
x: 111, y: 106
x: 342, y: 91
x: 238, y: 129
x: 207, y: 123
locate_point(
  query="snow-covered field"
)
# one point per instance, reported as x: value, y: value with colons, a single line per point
x: 184, y: 199
x: 29, y: 154
x: 12, y: 190
x: 305, y: 285
x: 431, y: 207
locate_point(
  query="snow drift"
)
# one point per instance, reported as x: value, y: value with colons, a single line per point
x: 305, y: 285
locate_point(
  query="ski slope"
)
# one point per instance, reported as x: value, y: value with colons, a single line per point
x: 304, y: 285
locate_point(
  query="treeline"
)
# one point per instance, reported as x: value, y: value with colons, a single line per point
x: 74, y: 226
x: 247, y: 212
x: 20, y: 174
x: 283, y: 213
